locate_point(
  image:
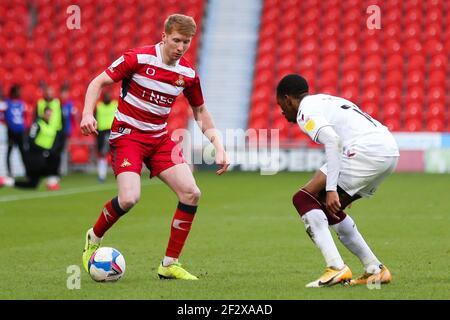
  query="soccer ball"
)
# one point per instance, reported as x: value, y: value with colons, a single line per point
x: 106, y: 264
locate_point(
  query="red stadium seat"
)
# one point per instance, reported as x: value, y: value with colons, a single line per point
x: 416, y: 62
x: 371, y: 94
x: 328, y: 89
x: 79, y: 154
x: 393, y: 124
x: 436, y: 125
x: 329, y: 78
x: 439, y: 62
x: 433, y: 15
x: 413, y: 110
x: 372, y: 108
x: 435, y: 110
x: 394, y: 61
x: 392, y: 93
x: 415, y: 78
x: 437, y: 78
x: 436, y: 94
x: 415, y: 94
x: 394, y: 78
x: 433, y: 46
x: 350, y: 92
x: 371, y: 77
x: 412, y: 31
x: 412, y: 46
x: 413, y: 125
x: 391, y: 109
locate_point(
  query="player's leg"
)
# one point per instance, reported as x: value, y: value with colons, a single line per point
x: 180, y: 179
x: 127, y: 164
x: 348, y: 233
x: 357, y: 183
x: 102, y: 151
x: 54, y: 175
x: 316, y: 223
x: 8, y: 152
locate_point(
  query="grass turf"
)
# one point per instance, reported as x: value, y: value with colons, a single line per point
x: 247, y: 241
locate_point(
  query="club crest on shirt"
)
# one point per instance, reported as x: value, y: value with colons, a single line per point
x: 309, y: 126
x: 125, y: 163
x: 180, y: 82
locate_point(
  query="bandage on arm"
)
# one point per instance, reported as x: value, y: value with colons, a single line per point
x: 333, y: 150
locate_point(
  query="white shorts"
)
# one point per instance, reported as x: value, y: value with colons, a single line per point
x: 362, y: 174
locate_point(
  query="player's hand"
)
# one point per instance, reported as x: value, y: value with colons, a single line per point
x: 88, y: 125
x: 222, y: 161
x: 333, y: 204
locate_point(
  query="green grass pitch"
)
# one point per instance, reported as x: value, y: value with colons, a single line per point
x: 247, y: 241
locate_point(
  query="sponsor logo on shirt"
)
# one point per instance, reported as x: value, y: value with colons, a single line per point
x: 160, y: 99
x: 310, y: 125
x: 124, y: 130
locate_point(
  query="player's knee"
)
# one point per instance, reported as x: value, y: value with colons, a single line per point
x: 304, y: 202
x: 128, y: 201
x: 191, y: 195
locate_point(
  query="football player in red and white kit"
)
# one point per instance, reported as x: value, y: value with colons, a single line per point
x: 152, y: 78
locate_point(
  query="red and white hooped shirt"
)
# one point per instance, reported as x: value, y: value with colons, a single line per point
x: 149, y: 89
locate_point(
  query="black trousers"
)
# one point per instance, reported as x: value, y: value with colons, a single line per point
x: 14, y: 139
x: 56, y: 153
x: 37, y: 166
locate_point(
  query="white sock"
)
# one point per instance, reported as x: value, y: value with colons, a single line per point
x: 9, y: 182
x: 93, y: 237
x: 51, y: 180
x: 102, y: 168
x: 316, y: 224
x: 353, y: 240
x: 167, y: 261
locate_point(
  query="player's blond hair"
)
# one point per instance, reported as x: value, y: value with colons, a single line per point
x: 181, y: 23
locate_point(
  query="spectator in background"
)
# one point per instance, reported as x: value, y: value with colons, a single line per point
x: 68, y: 113
x: 41, y: 139
x: 15, y: 122
x: 2, y: 106
x: 57, y: 123
x: 104, y: 114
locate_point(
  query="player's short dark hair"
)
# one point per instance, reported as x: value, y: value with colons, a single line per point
x: 14, y: 92
x: 293, y: 85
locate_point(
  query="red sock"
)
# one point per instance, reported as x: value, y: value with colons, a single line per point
x: 111, y: 212
x: 181, y: 225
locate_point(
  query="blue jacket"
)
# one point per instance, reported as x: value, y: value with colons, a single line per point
x: 15, y: 115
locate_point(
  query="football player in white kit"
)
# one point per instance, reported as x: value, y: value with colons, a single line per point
x: 360, y: 154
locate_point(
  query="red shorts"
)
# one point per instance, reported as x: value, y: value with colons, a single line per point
x: 129, y: 151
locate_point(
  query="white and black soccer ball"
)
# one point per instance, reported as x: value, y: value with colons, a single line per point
x: 106, y: 264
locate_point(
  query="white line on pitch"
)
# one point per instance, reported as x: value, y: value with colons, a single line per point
x: 46, y: 194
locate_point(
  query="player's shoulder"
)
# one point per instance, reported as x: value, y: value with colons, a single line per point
x: 312, y: 101
x: 186, y: 63
x: 149, y: 49
x: 322, y: 99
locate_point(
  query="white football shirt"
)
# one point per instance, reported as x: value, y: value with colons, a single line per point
x: 358, y: 131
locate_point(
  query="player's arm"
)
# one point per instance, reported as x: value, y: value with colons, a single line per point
x: 206, y: 125
x: 88, y: 123
x: 333, y: 150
